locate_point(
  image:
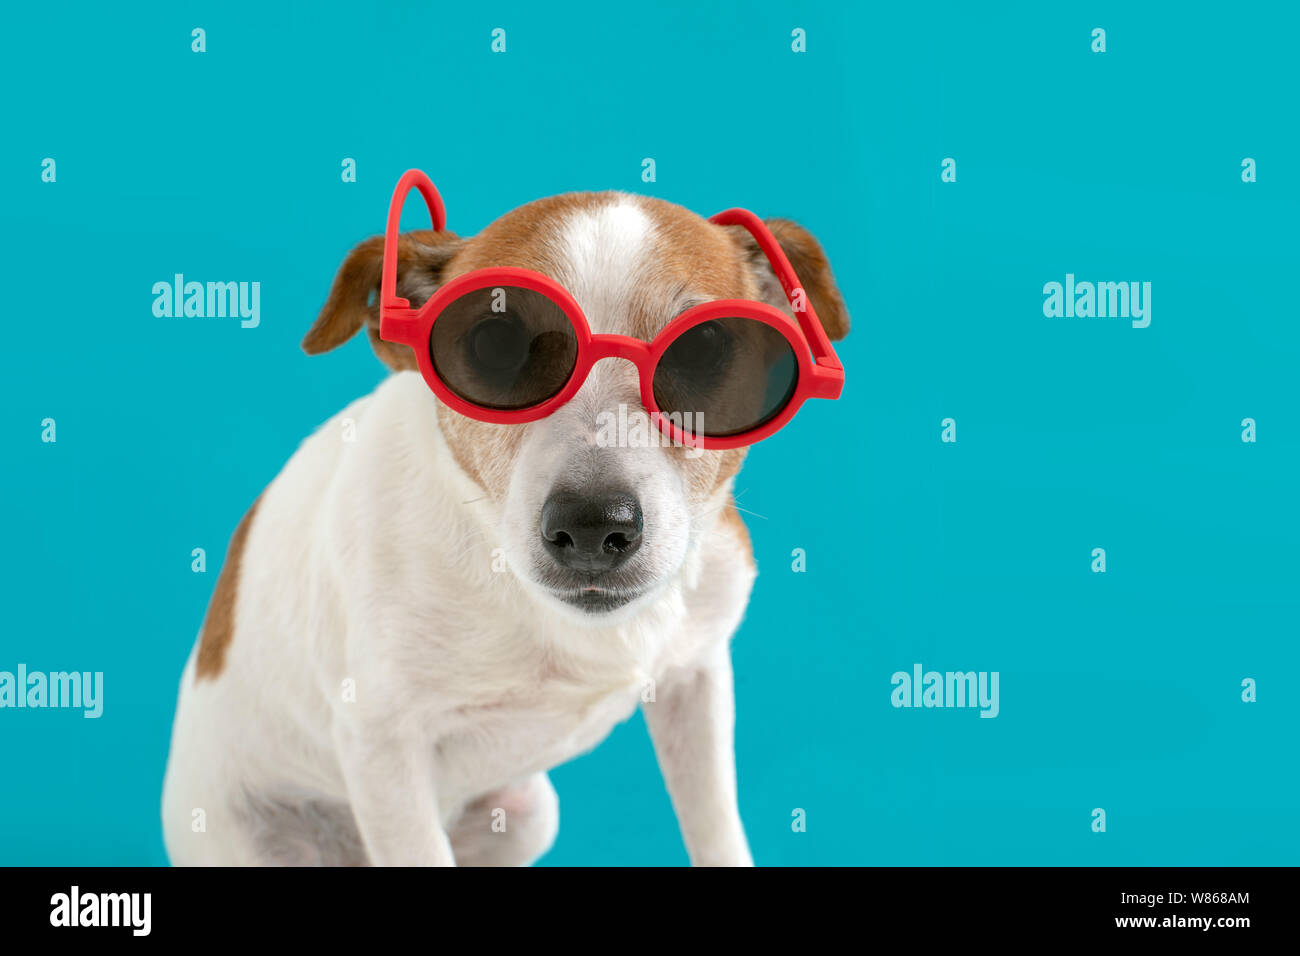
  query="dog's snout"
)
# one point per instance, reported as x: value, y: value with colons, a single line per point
x: 591, y: 532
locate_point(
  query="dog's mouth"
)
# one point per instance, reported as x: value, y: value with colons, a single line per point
x: 595, y: 599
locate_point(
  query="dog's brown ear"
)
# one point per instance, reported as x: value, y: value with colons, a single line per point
x: 810, y: 265
x: 353, y: 301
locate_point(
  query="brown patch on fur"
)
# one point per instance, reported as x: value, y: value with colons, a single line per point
x: 524, y: 238
x: 421, y: 257
x: 729, y: 463
x: 814, y: 270
x: 485, y: 452
x: 219, y: 625
x: 810, y: 265
x: 692, y: 261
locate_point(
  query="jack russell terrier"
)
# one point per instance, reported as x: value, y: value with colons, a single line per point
x: 459, y: 582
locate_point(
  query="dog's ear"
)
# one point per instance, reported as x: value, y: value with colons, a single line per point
x: 810, y: 265
x: 354, y: 299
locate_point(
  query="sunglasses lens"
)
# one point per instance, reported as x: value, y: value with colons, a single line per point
x: 503, y: 347
x: 729, y: 375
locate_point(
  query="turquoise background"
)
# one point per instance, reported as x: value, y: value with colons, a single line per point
x: 1118, y: 690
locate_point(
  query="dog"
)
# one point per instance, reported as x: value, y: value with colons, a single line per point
x: 392, y: 660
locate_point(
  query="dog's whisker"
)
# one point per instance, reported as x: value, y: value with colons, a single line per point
x: 468, y: 541
x: 470, y: 538
x: 703, y: 515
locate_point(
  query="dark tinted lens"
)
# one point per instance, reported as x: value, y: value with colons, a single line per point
x: 503, y: 347
x: 729, y: 375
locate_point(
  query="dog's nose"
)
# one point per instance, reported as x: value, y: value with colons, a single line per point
x: 591, y: 532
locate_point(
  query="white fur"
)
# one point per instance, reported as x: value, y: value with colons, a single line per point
x: 604, y: 254
x: 371, y: 562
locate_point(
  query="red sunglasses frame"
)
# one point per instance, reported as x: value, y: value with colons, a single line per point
x: 819, y: 376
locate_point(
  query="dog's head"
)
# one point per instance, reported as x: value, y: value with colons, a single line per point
x: 589, y: 524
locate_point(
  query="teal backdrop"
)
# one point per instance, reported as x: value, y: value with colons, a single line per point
x: 1120, y: 690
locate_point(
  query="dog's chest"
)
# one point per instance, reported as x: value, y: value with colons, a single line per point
x: 533, y: 727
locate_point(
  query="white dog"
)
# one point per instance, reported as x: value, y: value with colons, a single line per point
x: 396, y: 653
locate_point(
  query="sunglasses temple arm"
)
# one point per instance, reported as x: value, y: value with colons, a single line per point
x: 411, y: 179
x: 800, y: 304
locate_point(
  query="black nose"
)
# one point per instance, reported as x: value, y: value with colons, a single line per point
x: 591, y: 532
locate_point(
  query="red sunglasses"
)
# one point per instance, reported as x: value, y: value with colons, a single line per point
x: 509, y: 346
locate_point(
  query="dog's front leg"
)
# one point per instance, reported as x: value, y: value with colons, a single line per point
x: 391, y: 786
x: 692, y: 720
